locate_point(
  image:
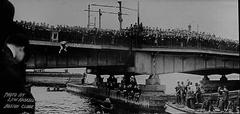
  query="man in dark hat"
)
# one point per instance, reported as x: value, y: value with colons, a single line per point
x: 12, y: 59
x: 13, y: 96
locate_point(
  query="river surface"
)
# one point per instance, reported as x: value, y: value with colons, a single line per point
x: 67, y: 103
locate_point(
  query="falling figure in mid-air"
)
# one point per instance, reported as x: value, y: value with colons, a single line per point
x: 63, y: 46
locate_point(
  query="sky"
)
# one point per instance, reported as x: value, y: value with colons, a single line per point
x: 219, y: 17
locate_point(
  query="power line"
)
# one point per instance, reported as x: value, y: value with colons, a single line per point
x: 100, y: 14
x: 120, y: 19
x: 113, y: 7
x: 105, y: 12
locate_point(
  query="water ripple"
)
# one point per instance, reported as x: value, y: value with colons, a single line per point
x: 60, y: 102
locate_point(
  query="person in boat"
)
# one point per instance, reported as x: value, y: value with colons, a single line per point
x: 207, y: 105
x: 123, y: 81
x: 129, y: 91
x: 124, y: 92
x: 130, y: 87
x: 220, y: 91
x: 99, y: 81
x: 107, y: 106
x: 133, y: 81
x: 119, y: 90
x: 238, y: 101
x: 190, y: 96
x: 178, y: 93
x: 220, y: 99
x: 123, y: 88
x: 232, y: 105
x: 110, y: 83
x: 84, y: 78
x: 99, y: 110
x: 225, y: 98
x: 115, y: 84
x: 137, y: 92
x: 183, y: 93
x: 188, y: 82
x: 198, y: 93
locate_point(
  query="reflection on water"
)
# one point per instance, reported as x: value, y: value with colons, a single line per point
x: 66, y: 103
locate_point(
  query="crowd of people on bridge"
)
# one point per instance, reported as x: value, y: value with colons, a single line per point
x: 134, y: 35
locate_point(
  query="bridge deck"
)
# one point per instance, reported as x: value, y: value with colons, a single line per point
x: 145, y: 49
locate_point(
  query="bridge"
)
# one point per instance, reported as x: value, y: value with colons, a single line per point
x: 110, y: 59
x: 120, y: 55
x: 120, y: 60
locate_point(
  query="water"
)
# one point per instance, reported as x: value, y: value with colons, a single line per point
x: 60, y: 102
x: 67, y: 103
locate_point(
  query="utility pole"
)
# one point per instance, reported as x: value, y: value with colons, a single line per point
x: 100, y: 14
x: 95, y: 22
x: 120, y: 14
x: 88, y: 25
x: 138, y: 20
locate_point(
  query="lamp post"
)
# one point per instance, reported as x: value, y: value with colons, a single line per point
x: 120, y: 14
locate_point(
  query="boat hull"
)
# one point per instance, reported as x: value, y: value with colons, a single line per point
x: 145, y: 103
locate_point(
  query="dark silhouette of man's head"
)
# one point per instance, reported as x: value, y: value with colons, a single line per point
x: 18, y: 44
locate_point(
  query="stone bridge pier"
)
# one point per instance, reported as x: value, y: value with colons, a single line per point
x: 153, y: 86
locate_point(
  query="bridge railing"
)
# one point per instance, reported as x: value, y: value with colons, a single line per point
x: 129, y: 38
